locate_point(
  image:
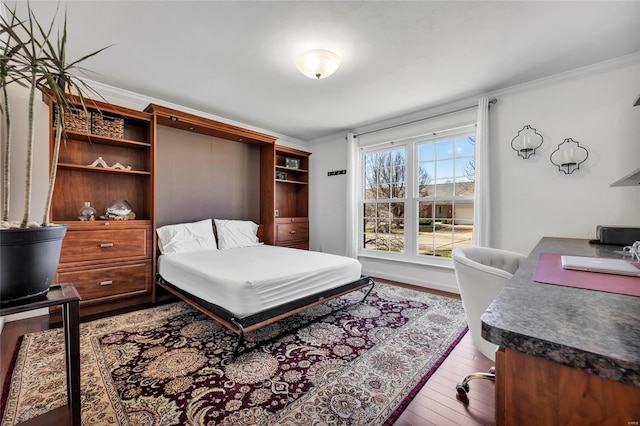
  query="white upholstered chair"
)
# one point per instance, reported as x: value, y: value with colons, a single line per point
x: 481, y: 273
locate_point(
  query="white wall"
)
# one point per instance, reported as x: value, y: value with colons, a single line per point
x: 328, y: 199
x: 18, y: 97
x: 530, y: 198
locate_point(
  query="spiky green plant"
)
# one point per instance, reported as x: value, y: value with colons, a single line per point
x: 32, y: 58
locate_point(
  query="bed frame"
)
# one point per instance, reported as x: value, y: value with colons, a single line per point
x: 240, y: 326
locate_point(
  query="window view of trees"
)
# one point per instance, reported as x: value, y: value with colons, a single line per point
x: 441, y: 191
x: 385, y: 190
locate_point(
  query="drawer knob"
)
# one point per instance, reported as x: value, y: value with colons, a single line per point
x: 293, y: 232
x: 103, y: 283
x: 106, y: 245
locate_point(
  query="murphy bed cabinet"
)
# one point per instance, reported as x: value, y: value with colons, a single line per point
x: 110, y: 262
x: 291, y: 198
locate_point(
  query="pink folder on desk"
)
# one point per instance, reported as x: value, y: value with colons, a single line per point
x: 549, y: 271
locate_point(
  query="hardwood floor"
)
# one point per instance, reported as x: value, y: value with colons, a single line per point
x: 436, y: 403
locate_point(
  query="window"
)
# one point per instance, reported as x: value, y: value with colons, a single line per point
x: 446, y: 176
x: 385, y: 189
x: 417, y: 198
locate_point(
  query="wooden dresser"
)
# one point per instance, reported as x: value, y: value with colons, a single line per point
x: 292, y: 232
x: 291, y: 198
x: 110, y: 262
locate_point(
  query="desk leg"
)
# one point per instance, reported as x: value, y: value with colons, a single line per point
x: 71, y: 324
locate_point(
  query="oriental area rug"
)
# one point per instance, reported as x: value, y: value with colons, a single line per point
x: 357, y: 363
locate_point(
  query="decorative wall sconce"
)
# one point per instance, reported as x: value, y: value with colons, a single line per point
x: 569, y: 156
x: 526, y: 142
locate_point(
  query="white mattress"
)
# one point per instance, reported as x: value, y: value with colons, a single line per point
x: 251, y: 279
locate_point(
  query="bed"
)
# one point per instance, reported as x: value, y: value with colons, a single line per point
x: 244, y: 284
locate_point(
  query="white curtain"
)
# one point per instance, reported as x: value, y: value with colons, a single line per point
x: 481, y: 215
x: 353, y: 177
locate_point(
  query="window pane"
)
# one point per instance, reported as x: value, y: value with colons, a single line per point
x: 465, y: 169
x: 425, y: 211
x: 444, y: 149
x: 426, y: 174
x: 444, y: 169
x: 465, y: 176
x: 444, y: 187
x: 370, y: 177
x: 369, y: 210
x: 466, y: 146
x: 385, y: 230
x: 427, y: 152
x: 385, y: 174
x: 463, y: 211
x: 463, y: 233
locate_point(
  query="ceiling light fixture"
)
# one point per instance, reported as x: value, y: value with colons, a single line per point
x: 318, y: 63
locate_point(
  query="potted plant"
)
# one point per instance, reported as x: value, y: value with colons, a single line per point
x: 33, y: 56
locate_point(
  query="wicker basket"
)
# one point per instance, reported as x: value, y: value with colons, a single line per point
x: 104, y: 125
x: 75, y: 120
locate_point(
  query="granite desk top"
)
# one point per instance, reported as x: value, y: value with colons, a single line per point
x: 593, y: 331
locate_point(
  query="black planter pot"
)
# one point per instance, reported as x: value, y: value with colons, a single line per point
x: 28, y: 262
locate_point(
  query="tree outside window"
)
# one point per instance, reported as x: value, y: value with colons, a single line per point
x: 384, y: 192
x: 432, y: 210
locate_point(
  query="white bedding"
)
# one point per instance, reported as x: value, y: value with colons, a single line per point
x: 251, y: 279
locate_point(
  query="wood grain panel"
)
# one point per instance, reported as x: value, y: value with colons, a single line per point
x: 541, y: 392
x: 105, y: 244
x: 109, y: 281
x: 74, y: 187
x: 201, y: 177
x: 197, y: 124
x: 291, y: 232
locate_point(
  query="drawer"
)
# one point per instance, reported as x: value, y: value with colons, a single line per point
x: 99, y: 283
x: 291, y: 232
x: 105, y: 244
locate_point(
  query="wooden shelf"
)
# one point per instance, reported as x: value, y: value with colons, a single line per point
x: 102, y: 169
x: 291, y: 169
x: 121, y: 251
x: 296, y: 182
x: 106, y: 140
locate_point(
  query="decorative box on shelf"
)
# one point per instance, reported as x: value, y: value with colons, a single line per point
x: 291, y: 162
x: 104, y: 125
x: 75, y: 120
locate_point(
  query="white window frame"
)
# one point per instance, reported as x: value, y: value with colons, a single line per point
x: 411, y: 200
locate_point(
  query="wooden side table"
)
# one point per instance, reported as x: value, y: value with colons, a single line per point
x: 67, y: 296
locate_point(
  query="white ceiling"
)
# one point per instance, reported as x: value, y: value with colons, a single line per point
x: 235, y: 59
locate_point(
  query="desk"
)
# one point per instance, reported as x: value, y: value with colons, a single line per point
x: 67, y: 296
x: 566, y: 355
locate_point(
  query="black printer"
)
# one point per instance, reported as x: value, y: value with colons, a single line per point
x: 617, y: 235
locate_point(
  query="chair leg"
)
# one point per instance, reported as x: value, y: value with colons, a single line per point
x: 463, y: 386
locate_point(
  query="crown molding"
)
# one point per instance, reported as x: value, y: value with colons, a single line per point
x: 138, y: 101
x: 586, y: 71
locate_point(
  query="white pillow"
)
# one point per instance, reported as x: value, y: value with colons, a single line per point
x: 186, y: 237
x: 236, y: 233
